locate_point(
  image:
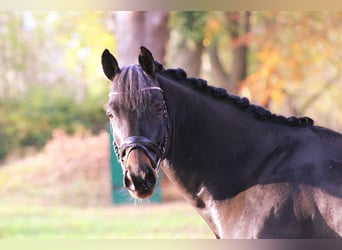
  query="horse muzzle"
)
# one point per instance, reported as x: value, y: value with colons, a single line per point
x: 140, y: 160
x: 140, y: 177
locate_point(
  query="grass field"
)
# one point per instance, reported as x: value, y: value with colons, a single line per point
x: 148, y: 221
x: 65, y: 192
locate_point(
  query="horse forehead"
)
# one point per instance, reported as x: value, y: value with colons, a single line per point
x: 132, y: 75
x: 133, y: 89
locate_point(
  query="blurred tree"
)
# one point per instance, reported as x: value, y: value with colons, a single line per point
x: 133, y: 29
x: 237, y: 27
x: 188, y: 33
x: 191, y: 32
x: 13, y: 54
x: 221, y: 36
x: 81, y: 51
x: 297, y: 61
x: 50, y: 75
x: 52, y: 50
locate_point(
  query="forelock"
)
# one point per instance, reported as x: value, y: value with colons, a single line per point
x: 128, y: 87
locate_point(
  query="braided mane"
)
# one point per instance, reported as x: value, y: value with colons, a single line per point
x: 240, y: 102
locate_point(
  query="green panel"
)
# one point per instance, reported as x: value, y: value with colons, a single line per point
x: 116, y: 171
x: 119, y: 194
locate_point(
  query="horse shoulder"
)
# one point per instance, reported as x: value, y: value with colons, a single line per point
x: 330, y: 209
x: 278, y: 210
x: 248, y: 214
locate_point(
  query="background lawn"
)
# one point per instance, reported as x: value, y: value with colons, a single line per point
x: 170, y: 221
x: 65, y: 192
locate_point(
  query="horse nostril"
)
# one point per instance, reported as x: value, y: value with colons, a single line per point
x: 140, y: 183
x: 151, y: 179
x: 128, y: 181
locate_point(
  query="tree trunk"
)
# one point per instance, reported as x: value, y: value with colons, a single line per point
x: 239, y: 40
x: 218, y: 72
x: 138, y: 28
x: 188, y: 57
x: 239, y: 27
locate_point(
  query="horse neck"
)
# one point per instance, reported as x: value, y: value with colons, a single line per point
x: 210, y: 138
x: 203, y: 124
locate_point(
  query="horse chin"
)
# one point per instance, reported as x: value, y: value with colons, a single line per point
x: 141, y: 195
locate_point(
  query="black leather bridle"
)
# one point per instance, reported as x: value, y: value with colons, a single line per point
x: 155, y: 152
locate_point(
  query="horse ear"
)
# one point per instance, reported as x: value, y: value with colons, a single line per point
x: 146, y: 61
x: 109, y: 64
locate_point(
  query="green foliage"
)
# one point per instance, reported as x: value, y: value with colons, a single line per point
x: 50, y: 75
x: 190, y: 24
x: 29, y: 121
x: 6, y: 143
x: 296, y: 62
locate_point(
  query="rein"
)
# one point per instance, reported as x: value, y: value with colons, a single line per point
x: 143, y: 143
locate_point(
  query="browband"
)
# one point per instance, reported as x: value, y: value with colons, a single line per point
x: 143, y: 89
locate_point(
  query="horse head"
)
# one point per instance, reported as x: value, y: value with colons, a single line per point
x: 138, y: 119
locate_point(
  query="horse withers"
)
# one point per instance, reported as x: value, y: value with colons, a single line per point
x: 249, y: 173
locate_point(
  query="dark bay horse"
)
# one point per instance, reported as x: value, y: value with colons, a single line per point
x: 249, y: 173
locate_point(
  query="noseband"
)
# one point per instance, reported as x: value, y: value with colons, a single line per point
x: 143, y: 143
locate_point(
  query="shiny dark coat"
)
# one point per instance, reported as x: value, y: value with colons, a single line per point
x: 249, y: 173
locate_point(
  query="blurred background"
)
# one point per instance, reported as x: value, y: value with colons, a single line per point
x: 57, y: 175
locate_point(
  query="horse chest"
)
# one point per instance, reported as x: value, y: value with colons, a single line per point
x: 255, y: 213
x: 238, y: 219
x: 232, y: 218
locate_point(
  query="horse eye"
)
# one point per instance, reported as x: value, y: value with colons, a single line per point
x: 160, y: 109
x: 109, y: 115
x: 123, y: 154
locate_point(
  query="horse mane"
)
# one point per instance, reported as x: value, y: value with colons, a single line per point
x: 240, y: 102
